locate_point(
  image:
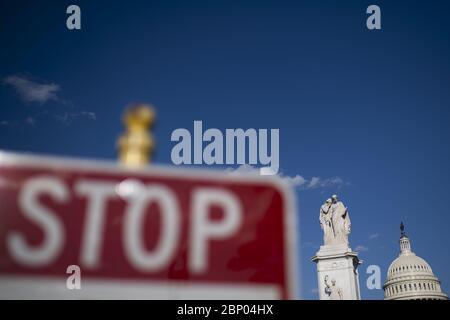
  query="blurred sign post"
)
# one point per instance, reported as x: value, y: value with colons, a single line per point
x: 139, y: 232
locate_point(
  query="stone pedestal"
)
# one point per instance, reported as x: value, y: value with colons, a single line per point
x: 338, y: 264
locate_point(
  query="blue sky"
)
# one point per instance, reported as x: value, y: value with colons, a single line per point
x: 369, y: 107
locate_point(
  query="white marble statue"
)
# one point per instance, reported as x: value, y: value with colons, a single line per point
x: 325, y: 222
x: 334, y: 292
x: 335, y: 222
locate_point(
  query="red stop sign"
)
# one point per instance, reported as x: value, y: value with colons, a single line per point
x: 153, y: 233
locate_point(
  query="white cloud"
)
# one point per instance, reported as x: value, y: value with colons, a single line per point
x: 374, y: 236
x: 89, y: 115
x: 317, y: 182
x: 293, y: 181
x: 296, y: 181
x: 314, y: 183
x: 40, y: 92
x: 361, y: 248
x: 31, y: 91
x: 68, y: 118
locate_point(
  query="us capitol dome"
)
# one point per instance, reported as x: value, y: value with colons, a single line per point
x: 410, y: 277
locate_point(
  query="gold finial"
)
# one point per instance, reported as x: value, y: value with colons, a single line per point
x: 136, y: 144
